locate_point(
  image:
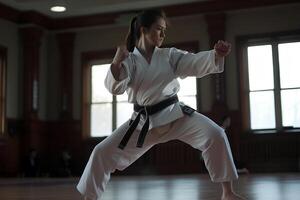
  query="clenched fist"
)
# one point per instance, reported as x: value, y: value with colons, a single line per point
x: 222, y: 48
x: 116, y: 65
x: 121, y: 54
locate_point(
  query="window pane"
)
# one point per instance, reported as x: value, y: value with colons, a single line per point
x: 124, y: 109
x: 123, y: 97
x: 289, y: 64
x: 124, y: 112
x: 189, y: 100
x: 290, y: 100
x: 187, y: 86
x: 101, y: 119
x: 188, y: 91
x: 262, y: 110
x: 260, y: 65
x: 99, y: 92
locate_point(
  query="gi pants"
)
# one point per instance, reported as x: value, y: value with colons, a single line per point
x: 196, y: 130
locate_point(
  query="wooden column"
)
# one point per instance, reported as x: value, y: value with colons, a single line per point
x: 216, y: 31
x: 33, y: 135
x: 66, y: 49
x: 216, y: 24
x: 31, y: 39
x: 3, y: 68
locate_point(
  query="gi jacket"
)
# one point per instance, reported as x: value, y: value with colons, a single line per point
x: 150, y: 83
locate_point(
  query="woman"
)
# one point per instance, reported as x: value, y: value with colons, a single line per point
x: 149, y: 76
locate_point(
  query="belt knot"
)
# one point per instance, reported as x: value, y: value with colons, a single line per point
x: 144, y: 110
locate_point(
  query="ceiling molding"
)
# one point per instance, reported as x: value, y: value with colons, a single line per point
x: 33, y: 17
x: 9, y: 13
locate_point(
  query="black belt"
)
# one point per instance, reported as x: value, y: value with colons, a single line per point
x: 145, y: 110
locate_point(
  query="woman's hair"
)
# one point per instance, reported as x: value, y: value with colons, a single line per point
x: 144, y: 19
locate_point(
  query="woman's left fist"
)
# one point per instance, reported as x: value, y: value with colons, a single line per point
x: 222, y: 48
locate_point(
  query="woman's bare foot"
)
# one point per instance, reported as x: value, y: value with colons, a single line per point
x: 228, y: 193
x: 232, y: 196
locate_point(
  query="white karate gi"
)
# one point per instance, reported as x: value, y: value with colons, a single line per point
x: 147, y: 84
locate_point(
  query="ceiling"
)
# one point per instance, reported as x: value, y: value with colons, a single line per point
x: 87, y: 7
x: 87, y: 13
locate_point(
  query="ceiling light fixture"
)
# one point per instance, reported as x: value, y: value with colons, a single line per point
x: 58, y: 9
x: 59, y: 6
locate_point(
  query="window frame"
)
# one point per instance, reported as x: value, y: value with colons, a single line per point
x: 87, y: 60
x: 91, y: 58
x: 3, y: 71
x: 114, y: 102
x: 244, y: 90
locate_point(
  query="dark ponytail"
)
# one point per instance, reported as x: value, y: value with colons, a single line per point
x: 131, y: 36
x: 144, y: 19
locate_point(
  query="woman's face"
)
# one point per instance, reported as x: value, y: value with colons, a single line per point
x: 156, y: 33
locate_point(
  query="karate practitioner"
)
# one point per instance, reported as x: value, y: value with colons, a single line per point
x: 149, y: 76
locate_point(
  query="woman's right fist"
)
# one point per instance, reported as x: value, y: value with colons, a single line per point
x: 121, y: 54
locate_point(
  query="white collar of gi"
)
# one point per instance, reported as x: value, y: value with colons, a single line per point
x: 137, y: 52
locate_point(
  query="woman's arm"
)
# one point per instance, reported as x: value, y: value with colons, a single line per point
x: 200, y: 64
x: 116, y: 65
x: 117, y: 77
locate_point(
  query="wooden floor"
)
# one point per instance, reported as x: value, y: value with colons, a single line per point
x: 183, y: 187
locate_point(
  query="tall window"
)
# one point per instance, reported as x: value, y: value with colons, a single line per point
x: 109, y: 112
x: 3, y: 58
x: 274, y: 85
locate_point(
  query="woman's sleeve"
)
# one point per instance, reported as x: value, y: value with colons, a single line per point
x: 190, y: 64
x: 118, y: 85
